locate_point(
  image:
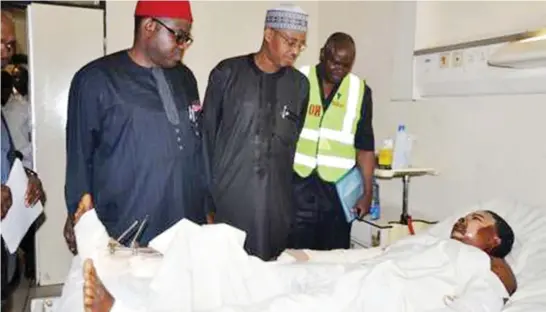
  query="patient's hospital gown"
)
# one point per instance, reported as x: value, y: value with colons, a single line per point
x: 205, y: 268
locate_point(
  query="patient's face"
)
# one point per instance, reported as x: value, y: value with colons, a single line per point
x: 477, y: 229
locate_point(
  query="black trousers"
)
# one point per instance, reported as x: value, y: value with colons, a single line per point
x: 29, y: 247
x: 320, y: 222
x: 8, y: 286
x: 4, y: 276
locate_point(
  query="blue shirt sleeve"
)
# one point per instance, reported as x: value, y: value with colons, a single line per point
x: 6, y: 148
x: 364, y: 138
x: 82, y: 128
x: 212, y: 116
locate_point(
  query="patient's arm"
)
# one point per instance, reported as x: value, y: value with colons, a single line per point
x: 334, y: 256
x: 501, y: 268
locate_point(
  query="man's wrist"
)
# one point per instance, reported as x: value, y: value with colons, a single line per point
x: 368, y: 189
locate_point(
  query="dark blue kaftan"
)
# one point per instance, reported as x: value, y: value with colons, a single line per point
x: 122, y: 149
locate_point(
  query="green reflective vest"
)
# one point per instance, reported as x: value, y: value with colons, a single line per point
x: 327, y: 139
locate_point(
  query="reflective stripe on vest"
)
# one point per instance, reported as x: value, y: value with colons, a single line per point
x: 327, y: 138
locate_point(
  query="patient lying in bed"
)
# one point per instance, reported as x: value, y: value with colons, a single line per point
x: 482, y: 229
x: 206, y: 269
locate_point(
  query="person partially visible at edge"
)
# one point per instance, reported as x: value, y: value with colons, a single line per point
x: 253, y: 113
x: 337, y: 136
x: 18, y: 115
x: 17, y: 110
x: 35, y: 191
x: 132, y: 132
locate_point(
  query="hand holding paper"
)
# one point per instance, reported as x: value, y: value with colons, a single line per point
x: 6, y: 200
x: 362, y: 206
x: 19, y: 218
x: 350, y: 191
x: 34, y: 192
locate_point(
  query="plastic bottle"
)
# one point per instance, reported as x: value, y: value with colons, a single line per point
x: 401, y: 149
x: 375, y: 209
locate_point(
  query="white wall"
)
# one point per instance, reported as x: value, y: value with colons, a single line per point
x: 119, y: 25
x: 49, y: 82
x: 484, y: 147
x: 447, y: 22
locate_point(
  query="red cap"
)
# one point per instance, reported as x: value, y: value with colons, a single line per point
x: 169, y: 9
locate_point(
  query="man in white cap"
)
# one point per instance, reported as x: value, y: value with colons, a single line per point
x: 253, y: 113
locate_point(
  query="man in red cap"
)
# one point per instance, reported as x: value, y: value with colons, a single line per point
x: 253, y: 114
x: 132, y: 132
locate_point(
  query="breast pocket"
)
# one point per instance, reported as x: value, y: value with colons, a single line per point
x: 287, y: 125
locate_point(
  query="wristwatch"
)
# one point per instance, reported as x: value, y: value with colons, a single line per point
x: 29, y: 172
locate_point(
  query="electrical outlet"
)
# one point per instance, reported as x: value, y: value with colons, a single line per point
x: 457, y: 57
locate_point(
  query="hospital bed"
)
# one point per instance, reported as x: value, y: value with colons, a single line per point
x: 528, y: 257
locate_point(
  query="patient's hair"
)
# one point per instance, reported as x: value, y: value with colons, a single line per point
x: 505, y: 233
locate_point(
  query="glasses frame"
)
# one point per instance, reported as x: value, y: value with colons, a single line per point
x: 181, y: 37
x: 292, y: 42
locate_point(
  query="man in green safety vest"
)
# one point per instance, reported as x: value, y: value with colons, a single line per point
x: 337, y: 136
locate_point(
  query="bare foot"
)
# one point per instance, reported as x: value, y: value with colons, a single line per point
x: 96, y: 297
x: 86, y: 204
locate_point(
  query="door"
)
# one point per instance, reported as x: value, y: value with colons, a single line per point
x: 61, y: 40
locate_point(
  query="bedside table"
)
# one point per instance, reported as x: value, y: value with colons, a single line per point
x: 405, y: 175
x: 391, y: 226
x: 386, y: 230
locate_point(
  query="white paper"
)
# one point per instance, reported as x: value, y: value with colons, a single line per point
x: 19, y: 217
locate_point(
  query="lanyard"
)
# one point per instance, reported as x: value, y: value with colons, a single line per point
x: 11, y: 152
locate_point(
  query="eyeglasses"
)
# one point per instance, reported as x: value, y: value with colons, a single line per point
x: 180, y: 36
x: 292, y: 42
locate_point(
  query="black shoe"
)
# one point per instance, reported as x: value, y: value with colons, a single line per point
x: 30, y: 274
x: 6, y: 305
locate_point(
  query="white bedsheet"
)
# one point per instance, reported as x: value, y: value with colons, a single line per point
x: 206, y: 269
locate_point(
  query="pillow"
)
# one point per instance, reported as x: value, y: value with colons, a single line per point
x: 527, y: 222
x: 528, y: 256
